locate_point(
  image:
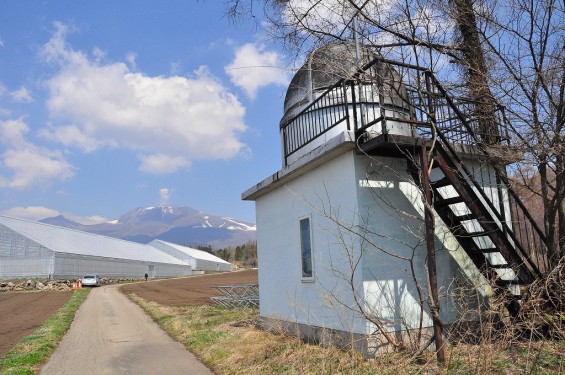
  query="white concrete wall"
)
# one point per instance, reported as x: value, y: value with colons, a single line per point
x: 379, y: 213
x: 283, y: 293
x: 394, y: 254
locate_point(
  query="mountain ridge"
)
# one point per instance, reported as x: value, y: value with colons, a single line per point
x: 179, y: 224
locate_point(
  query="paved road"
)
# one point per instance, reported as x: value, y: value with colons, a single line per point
x: 112, y: 335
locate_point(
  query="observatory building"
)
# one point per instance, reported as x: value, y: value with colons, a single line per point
x: 344, y: 239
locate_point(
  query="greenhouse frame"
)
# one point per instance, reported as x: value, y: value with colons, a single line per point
x: 38, y: 250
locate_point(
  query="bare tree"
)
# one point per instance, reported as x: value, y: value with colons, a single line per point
x: 525, y: 43
x: 499, y: 57
x: 506, y: 55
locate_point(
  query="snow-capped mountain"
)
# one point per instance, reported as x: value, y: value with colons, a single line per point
x: 177, y: 224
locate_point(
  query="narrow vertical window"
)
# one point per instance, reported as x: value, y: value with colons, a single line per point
x: 306, y: 247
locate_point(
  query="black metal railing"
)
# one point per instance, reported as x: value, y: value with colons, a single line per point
x: 326, y: 112
x: 518, y: 224
x: 384, y: 93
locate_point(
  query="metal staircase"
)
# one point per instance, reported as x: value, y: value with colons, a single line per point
x: 482, y: 229
x: 489, y: 219
x: 473, y: 196
x: 471, y: 192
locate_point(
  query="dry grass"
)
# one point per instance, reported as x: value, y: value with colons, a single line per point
x: 230, y: 342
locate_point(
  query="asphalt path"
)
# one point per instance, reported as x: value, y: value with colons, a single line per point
x: 112, y: 335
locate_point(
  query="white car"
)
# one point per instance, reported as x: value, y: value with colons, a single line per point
x: 91, y: 280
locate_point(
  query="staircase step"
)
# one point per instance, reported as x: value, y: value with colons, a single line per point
x: 475, y: 234
x: 460, y: 218
x: 501, y: 282
x: 491, y: 250
x: 448, y: 201
x: 442, y: 182
x: 500, y: 266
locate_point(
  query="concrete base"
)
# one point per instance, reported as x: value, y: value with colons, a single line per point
x: 370, y: 346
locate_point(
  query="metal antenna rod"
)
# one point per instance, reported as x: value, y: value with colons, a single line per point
x: 359, y: 64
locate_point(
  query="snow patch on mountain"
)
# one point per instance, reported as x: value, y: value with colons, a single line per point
x: 240, y: 226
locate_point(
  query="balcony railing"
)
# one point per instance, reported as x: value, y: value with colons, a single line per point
x: 383, y: 94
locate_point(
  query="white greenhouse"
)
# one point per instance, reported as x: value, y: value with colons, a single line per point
x: 32, y: 249
x: 198, y: 259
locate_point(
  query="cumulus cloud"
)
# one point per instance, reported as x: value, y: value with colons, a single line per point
x: 254, y: 68
x: 174, y: 120
x: 29, y: 164
x: 161, y: 164
x: 31, y: 212
x: 70, y: 135
x: 21, y: 95
x: 37, y: 213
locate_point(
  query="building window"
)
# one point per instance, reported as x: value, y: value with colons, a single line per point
x: 306, y: 247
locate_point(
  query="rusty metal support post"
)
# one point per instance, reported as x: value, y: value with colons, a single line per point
x: 432, y: 270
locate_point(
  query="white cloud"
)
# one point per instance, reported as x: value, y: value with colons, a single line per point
x: 131, y: 58
x: 161, y: 163
x: 98, y: 54
x: 28, y: 163
x: 31, y: 212
x: 21, y: 95
x: 334, y: 17
x: 70, y: 135
x: 254, y: 68
x: 164, y: 195
x: 37, y: 213
x: 328, y: 17
x: 3, y: 111
x: 165, y: 119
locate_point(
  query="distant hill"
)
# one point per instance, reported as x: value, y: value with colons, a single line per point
x: 178, y: 224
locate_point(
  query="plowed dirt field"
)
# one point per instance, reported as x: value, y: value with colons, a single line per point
x: 21, y: 313
x: 194, y: 290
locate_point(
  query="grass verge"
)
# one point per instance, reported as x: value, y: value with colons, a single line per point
x: 36, y: 348
x: 229, y: 342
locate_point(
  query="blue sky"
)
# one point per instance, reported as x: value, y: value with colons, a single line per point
x: 106, y: 106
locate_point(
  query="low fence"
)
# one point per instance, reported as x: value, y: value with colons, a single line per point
x: 233, y: 296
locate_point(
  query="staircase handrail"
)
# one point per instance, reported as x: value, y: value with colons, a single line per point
x: 500, y: 174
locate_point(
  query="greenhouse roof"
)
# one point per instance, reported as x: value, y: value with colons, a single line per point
x: 196, y: 254
x: 71, y: 241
